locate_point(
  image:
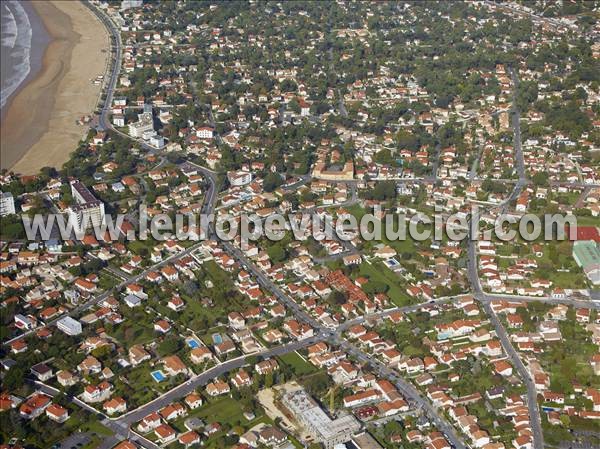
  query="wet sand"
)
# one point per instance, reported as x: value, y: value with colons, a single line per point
x: 39, y: 42
x: 39, y: 128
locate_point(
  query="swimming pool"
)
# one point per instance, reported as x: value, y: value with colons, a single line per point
x: 158, y: 375
x: 192, y: 343
x: 392, y: 263
x: 217, y: 339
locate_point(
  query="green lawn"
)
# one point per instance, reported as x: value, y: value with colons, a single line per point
x: 569, y: 360
x: 142, y: 247
x: 107, y: 280
x: 96, y: 427
x: 379, y: 272
x: 297, y: 363
x: 224, y: 410
x: 571, y: 277
x: 587, y: 221
x: 224, y: 296
x: 143, y: 387
x: 135, y: 331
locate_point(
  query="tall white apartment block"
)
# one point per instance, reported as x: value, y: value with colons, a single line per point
x: 7, y: 204
x: 89, y: 211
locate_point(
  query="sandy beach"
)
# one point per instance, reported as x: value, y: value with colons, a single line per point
x: 39, y: 128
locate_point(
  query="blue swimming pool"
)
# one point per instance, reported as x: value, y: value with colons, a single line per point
x: 217, y: 339
x: 392, y: 263
x: 158, y: 376
x: 192, y: 343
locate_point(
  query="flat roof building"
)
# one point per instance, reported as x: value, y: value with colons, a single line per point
x: 323, y: 429
x: 89, y: 210
x: 363, y: 440
x: 7, y: 204
x: 587, y: 255
x: 69, y: 326
x: 144, y: 124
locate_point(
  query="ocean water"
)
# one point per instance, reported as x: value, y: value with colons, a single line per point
x: 23, y: 40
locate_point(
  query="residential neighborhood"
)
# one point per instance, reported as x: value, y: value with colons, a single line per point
x: 469, y: 112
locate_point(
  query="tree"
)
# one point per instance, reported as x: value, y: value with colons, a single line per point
x: 14, y: 378
x: 407, y: 140
x: 384, y: 190
x: 272, y: 181
x: 277, y: 252
x: 294, y: 105
x: 288, y: 86
x: 384, y: 157
x: 169, y: 346
x: 540, y: 179
x: 268, y: 380
x: 318, y: 383
x: 190, y: 287
x: 11, y: 227
x: 490, y: 185
x: 336, y: 298
x: 102, y: 352
x: 374, y: 286
x: 568, y: 118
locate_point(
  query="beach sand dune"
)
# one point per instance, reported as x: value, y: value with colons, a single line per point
x: 39, y: 128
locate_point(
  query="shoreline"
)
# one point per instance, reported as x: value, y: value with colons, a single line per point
x: 40, y: 37
x: 39, y: 127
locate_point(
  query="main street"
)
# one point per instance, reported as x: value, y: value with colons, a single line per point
x: 532, y: 405
x: 413, y: 396
x: 205, y: 377
x: 103, y: 121
x: 403, y: 386
x: 484, y: 298
x: 121, y: 425
x: 409, y: 391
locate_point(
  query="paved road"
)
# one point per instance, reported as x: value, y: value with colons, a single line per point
x: 534, y: 412
x: 516, y: 124
x: 331, y: 257
x: 341, y: 105
x: 210, y: 198
x: 408, y: 391
x: 403, y: 386
x: 119, y: 429
x: 436, y: 163
x: 270, y: 285
x: 304, y: 179
x: 104, y: 123
x: 103, y: 120
x: 475, y: 166
x: 517, y: 8
x: 571, y: 302
x: 383, y: 313
x: 202, y: 379
x: 581, y: 200
x: 75, y: 440
x: 102, y: 296
x: 479, y: 294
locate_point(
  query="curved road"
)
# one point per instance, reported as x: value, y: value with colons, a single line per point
x: 484, y: 298
x: 121, y: 424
